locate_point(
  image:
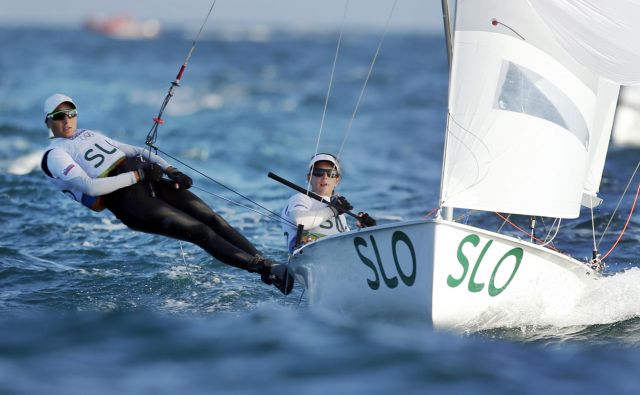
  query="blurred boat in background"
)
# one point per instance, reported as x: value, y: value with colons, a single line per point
x: 124, y: 27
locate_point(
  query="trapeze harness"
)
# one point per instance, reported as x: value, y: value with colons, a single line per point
x: 99, y: 173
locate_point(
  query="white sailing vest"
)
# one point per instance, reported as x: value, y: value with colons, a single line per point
x: 94, y: 152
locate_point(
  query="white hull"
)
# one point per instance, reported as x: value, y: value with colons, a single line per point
x: 453, y: 275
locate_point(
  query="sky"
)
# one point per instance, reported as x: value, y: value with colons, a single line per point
x: 408, y: 14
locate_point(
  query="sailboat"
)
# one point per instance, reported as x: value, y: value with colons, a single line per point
x: 531, y: 105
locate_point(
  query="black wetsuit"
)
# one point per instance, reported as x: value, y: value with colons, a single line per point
x: 180, y: 214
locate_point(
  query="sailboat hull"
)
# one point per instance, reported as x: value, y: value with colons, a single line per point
x: 453, y: 275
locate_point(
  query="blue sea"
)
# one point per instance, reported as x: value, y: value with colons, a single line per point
x: 88, y: 306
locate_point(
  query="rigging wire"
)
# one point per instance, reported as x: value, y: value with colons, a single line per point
x: 523, y: 231
x: 217, y: 182
x: 548, y: 240
x: 364, y: 86
x: 430, y: 213
x: 624, y: 228
x: 152, y: 136
x: 326, y: 100
x: 619, y: 202
x: 331, y: 78
x: 279, y: 218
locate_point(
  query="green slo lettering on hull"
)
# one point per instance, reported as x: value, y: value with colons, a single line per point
x: 474, y: 286
x: 401, y: 236
x: 462, y: 259
x: 517, y: 253
x: 373, y: 284
x: 378, y: 270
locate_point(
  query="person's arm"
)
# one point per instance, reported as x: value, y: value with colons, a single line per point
x: 63, y: 167
x: 181, y: 180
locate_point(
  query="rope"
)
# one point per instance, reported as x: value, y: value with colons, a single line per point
x: 219, y: 183
x: 278, y: 217
x: 182, y: 253
x: 546, y: 242
x: 430, y: 213
x: 625, y: 225
x: 619, y: 202
x: 502, y: 225
x: 524, y: 231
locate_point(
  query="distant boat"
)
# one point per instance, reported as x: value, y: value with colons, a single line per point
x: 124, y: 27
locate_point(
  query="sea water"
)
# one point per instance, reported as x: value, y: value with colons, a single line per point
x: 90, y: 307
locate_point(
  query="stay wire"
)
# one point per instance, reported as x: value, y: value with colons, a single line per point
x: 331, y: 78
x: 364, y: 86
x: 220, y: 184
x: 326, y: 100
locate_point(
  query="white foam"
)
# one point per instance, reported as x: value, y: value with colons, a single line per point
x: 606, y: 300
x: 26, y: 163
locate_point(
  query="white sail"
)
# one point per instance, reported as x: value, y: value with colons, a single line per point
x: 626, y: 127
x: 526, y: 120
x: 607, y: 97
x: 600, y: 34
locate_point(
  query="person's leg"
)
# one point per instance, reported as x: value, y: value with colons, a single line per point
x: 197, y: 224
x: 135, y: 207
x: 191, y: 204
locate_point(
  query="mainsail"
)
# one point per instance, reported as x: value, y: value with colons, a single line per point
x: 529, y: 125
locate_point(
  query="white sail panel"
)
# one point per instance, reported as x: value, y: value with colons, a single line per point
x: 626, y: 126
x: 600, y: 34
x: 604, y: 112
x: 519, y: 129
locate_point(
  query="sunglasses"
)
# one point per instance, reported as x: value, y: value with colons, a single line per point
x: 60, y: 115
x: 331, y: 173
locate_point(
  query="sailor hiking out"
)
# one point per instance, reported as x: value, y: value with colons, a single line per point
x: 130, y: 181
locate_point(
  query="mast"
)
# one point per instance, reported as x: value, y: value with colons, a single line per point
x: 448, y: 211
x: 447, y: 29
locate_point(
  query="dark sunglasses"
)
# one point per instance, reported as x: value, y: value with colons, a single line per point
x: 331, y: 173
x: 60, y: 115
